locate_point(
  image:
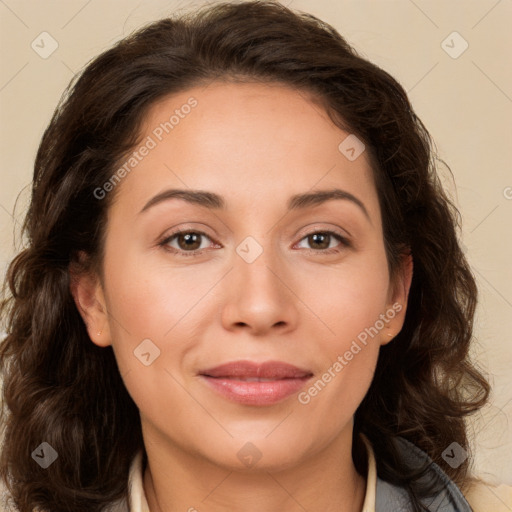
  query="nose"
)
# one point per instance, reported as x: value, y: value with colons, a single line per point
x: 259, y: 297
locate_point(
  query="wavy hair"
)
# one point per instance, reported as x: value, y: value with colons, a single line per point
x: 60, y: 388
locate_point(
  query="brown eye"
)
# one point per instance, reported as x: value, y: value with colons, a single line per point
x: 189, y: 241
x: 319, y: 240
x: 322, y: 242
x: 186, y: 242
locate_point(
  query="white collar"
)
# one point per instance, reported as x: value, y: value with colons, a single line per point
x: 139, y: 502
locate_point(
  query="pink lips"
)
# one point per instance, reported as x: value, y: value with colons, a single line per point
x: 250, y: 383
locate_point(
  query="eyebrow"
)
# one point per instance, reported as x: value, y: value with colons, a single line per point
x: 214, y: 201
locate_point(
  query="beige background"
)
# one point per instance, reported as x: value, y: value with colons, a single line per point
x: 465, y: 102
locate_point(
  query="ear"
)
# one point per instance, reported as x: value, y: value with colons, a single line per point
x: 87, y: 291
x: 397, y: 301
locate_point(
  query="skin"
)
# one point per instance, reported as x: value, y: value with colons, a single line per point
x: 255, y: 144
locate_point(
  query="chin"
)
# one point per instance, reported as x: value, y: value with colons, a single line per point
x: 258, y: 454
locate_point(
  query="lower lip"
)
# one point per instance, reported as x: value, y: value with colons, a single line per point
x: 256, y: 393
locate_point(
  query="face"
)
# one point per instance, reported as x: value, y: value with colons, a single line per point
x: 255, y: 274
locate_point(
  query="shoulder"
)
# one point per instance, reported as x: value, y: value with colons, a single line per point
x: 477, y: 496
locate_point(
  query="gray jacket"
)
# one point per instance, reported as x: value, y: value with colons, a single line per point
x: 392, y: 498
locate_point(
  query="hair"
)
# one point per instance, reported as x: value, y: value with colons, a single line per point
x: 62, y: 389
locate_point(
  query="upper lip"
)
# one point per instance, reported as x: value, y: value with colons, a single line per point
x: 248, y: 369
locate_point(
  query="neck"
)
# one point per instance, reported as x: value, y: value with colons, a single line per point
x: 326, y: 481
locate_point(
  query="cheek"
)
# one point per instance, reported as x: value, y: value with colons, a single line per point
x: 149, y: 311
x: 147, y: 297
x: 153, y: 301
x: 349, y: 298
x: 349, y: 303
x: 347, y: 358
x: 332, y: 399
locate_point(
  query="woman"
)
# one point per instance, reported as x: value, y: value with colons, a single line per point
x: 242, y: 288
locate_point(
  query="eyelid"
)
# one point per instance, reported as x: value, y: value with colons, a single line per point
x: 339, y: 235
x: 333, y: 232
x: 319, y: 227
x: 165, y: 240
x: 322, y: 227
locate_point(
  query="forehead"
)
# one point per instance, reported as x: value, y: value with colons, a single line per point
x: 245, y: 141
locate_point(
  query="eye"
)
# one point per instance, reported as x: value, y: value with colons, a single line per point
x: 325, y: 241
x: 192, y: 243
x: 187, y: 243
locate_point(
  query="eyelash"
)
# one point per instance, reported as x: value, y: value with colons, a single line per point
x: 342, y: 239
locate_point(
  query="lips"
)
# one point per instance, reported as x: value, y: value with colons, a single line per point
x: 249, y: 371
x: 251, y: 383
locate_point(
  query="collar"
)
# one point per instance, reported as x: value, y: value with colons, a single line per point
x: 379, y: 493
x: 138, y: 501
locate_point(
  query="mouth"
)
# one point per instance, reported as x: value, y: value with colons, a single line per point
x: 250, y: 383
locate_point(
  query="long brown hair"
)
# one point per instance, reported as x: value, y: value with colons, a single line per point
x: 62, y: 389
